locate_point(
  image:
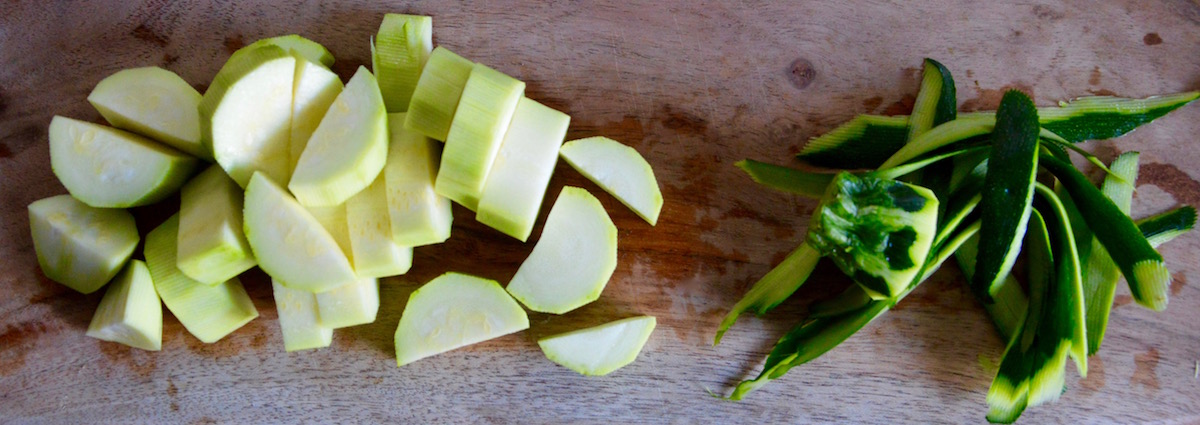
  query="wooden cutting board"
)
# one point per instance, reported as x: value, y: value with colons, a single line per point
x: 694, y: 87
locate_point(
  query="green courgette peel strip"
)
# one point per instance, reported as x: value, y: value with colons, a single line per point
x: 867, y: 140
x: 985, y: 165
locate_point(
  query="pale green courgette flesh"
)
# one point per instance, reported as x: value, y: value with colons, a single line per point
x: 109, y: 168
x: 246, y: 114
x: 212, y: 247
x: 573, y: 259
x: 375, y: 252
x: 289, y: 243
x: 209, y: 312
x: 419, y: 216
x: 334, y: 220
x: 130, y: 312
x: 436, y: 97
x: 398, y: 54
x: 484, y: 112
x: 80, y: 246
x: 599, y: 350
x: 299, y: 320
x: 620, y: 170
x: 521, y: 172
x: 452, y: 311
x: 313, y: 89
x: 347, y: 150
x: 352, y: 304
x: 155, y: 103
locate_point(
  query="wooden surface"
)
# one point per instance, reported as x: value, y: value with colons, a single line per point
x: 694, y: 87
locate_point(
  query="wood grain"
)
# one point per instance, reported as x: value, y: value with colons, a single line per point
x: 694, y: 86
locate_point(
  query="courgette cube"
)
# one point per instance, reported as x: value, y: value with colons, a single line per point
x: 246, y: 114
x: 155, y: 103
x: 347, y: 150
x: 299, y: 320
x: 80, y: 246
x: 289, y: 243
x: 452, y: 311
x: 435, y: 99
x: 212, y: 246
x: 419, y: 216
x: 398, y: 54
x: 209, y: 312
x: 109, y: 168
x: 488, y: 101
x: 599, y: 350
x: 877, y: 231
x: 314, y: 89
x: 620, y: 170
x: 573, y: 259
x: 355, y: 303
x: 130, y: 312
x: 368, y: 224
x: 517, y: 182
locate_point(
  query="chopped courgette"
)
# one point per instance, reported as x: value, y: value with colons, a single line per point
x: 618, y: 169
x: 130, y: 312
x: 109, y: 168
x: 80, y: 246
x: 347, y: 150
x: 573, y: 259
x: 155, y: 103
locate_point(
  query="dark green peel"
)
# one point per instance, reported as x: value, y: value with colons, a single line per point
x: 1007, y: 191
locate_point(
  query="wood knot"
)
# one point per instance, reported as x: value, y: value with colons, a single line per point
x: 802, y: 73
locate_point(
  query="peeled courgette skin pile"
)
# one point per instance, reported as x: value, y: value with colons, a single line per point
x: 1001, y: 185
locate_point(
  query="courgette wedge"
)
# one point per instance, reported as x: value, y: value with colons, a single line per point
x: 866, y: 140
x: 1007, y: 192
x: 1142, y: 266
